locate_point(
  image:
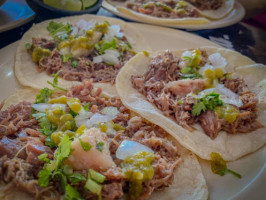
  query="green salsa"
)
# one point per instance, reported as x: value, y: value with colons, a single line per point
x: 138, y: 169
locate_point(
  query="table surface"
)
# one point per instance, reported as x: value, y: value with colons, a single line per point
x: 241, y: 37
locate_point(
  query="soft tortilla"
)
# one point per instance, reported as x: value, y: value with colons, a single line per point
x: 121, y: 7
x: 26, y: 71
x: 230, y: 146
x: 189, y: 182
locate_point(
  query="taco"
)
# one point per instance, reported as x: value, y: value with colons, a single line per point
x: 80, y: 145
x: 82, y: 47
x: 175, y: 12
x: 202, y: 97
x: 160, y: 12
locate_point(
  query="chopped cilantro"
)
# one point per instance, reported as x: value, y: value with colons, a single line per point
x: 65, y: 58
x: 28, y: 46
x: 76, y: 177
x: 86, y: 107
x: 55, y: 82
x: 74, y: 64
x: 39, y: 115
x: 63, y: 151
x: 198, y: 108
x: 102, y: 46
x: 73, y: 113
x: 218, y: 165
x: 43, y: 95
x: 129, y: 45
x: 71, y: 193
x: 59, y: 31
x: 43, y: 157
x: 44, y: 177
x: 187, y: 70
x: 190, y: 76
x: 210, y: 101
x: 85, y: 145
x: 49, y: 142
x: 108, y: 23
x: 46, y: 127
x: 100, y: 146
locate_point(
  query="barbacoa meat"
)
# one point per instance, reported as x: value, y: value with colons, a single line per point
x: 206, y: 4
x: 20, y: 166
x: 160, y: 11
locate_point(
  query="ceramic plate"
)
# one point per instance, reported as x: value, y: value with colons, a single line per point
x: 14, y: 13
x: 235, y: 16
x: 251, y: 167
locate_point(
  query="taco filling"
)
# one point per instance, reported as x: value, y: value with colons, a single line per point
x: 196, y: 89
x: 206, y: 4
x: 83, y: 146
x: 164, y: 9
x: 85, y: 50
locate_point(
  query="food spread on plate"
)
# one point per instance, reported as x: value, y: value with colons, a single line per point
x: 79, y: 145
x: 175, y: 11
x: 82, y: 47
x: 185, y: 89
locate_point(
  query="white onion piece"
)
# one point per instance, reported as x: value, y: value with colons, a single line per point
x: 42, y: 107
x: 186, y: 54
x: 110, y: 110
x: 206, y: 66
x: 97, y: 118
x: 203, y: 93
x: 113, y: 31
x: 111, y: 56
x: 129, y: 148
x: 82, y: 117
x: 97, y: 59
x: 110, y: 130
x: 227, y: 96
x: 217, y: 60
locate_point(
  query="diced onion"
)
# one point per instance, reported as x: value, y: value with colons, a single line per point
x: 42, y: 107
x: 129, y: 148
x: 217, y: 60
x: 113, y: 31
x: 97, y: 118
x: 110, y: 110
x: 82, y: 117
x: 111, y: 56
x: 227, y: 96
x: 202, y: 69
x: 187, y: 54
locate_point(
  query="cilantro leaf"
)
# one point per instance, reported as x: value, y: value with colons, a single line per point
x: 76, y: 177
x: 74, y: 64
x: 102, y: 46
x: 198, y: 108
x: 72, y: 193
x: 44, y: 177
x: 43, y: 95
x: 85, y: 145
x: 210, y: 101
x: 63, y: 151
x: 55, y: 82
x: 86, y: 107
x: 100, y: 146
x: 43, y: 157
x: 46, y: 127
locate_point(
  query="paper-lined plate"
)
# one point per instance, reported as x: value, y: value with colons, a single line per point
x: 235, y: 16
x: 252, y: 167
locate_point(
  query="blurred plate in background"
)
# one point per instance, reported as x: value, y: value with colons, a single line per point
x: 14, y: 13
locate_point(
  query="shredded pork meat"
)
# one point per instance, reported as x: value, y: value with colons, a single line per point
x: 85, y: 69
x: 20, y: 148
x: 206, y: 4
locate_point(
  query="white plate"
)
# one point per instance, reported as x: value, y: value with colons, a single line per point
x: 14, y: 13
x: 235, y: 16
x: 251, y: 167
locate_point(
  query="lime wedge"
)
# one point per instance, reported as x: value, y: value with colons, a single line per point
x: 72, y: 5
x: 88, y: 3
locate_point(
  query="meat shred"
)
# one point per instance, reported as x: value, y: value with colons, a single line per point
x: 206, y: 4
